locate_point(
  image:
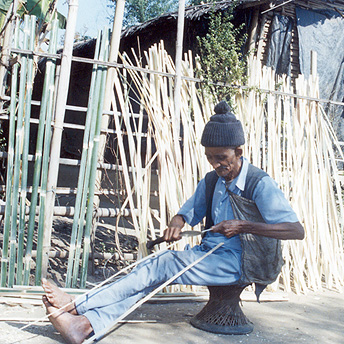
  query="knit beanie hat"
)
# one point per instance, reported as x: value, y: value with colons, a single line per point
x: 223, y: 129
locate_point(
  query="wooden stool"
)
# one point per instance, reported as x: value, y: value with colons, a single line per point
x: 222, y: 314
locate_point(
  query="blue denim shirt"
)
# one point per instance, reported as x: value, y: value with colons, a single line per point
x: 269, y: 199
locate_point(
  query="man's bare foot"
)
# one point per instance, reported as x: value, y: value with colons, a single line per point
x: 73, y: 328
x: 58, y: 298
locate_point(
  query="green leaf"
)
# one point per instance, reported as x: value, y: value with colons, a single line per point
x: 39, y: 8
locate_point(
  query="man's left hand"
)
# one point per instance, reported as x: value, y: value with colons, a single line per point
x: 230, y: 228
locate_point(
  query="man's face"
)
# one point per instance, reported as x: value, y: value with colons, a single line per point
x: 225, y: 161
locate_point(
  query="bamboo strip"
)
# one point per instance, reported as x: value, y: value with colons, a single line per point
x: 107, y: 329
x: 10, y: 168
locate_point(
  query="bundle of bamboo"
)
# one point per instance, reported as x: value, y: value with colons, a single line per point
x: 288, y: 136
x: 83, y: 216
x: 292, y: 140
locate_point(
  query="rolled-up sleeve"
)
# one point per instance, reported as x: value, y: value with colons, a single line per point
x: 194, y: 209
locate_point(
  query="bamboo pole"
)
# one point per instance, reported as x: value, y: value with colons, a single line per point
x: 43, y: 126
x: 20, y: 129
x: 92, y: 183
x: 109, y: 88
x: 44, y: 176
x: 91, y: 111
x: 44, y: 180
x: 10, y: 167
x: 87, y: 187
x: 61, y: 101
x: 29, y: 26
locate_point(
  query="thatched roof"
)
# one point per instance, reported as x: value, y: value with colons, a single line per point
x: 191, y: 13
x: 194, y: 13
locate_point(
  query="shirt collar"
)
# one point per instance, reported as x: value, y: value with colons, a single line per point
x: 241, y: 181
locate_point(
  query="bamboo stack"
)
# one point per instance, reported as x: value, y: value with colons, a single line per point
x: 292, y: 140
x: 83, y: 216
x: 288, y: 137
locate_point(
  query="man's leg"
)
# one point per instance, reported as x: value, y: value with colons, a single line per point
x: 107, y: 303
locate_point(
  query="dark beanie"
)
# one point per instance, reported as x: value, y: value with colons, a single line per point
x: 223, y: 129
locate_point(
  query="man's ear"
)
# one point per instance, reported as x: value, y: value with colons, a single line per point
x: 238, y: 152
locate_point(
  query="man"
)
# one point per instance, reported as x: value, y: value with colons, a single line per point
x: 222, y: 138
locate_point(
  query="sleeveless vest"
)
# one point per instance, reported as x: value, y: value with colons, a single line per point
x: 261, y: 258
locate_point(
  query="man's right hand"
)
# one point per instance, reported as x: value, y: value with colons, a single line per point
x: 172, y: 233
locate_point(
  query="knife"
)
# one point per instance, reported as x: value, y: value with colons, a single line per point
x: 159, y: 240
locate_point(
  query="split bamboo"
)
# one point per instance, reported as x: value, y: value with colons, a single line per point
x: 10, y: 166
x: 277, y: 126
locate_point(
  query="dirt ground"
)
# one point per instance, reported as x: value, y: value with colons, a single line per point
x: 313, y: 318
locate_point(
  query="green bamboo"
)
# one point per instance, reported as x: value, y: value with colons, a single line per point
x: 44, y: 178
x: 10, y: 162
x: 48, y: 82
x: 92, y: 141
x: 89, y: 121
x: 92, y: 179
x: 17, y: 159
x: 31, y: 37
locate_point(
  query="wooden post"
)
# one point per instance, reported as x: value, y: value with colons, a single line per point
x: 61, y: 101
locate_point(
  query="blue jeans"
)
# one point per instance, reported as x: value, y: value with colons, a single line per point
x: 102, y: 306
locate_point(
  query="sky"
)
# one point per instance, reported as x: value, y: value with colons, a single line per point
x: 92, y: 15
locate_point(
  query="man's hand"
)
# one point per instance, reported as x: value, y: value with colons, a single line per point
x: 172, y: 233
x: 230, y: 228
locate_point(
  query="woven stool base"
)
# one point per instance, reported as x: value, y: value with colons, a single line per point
x: 222, y: 314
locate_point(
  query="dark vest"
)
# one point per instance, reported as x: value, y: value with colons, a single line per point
x: 261, y: 258
x: 254, y: 175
